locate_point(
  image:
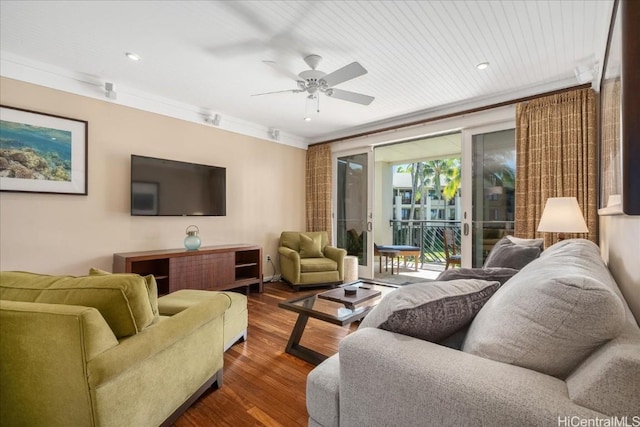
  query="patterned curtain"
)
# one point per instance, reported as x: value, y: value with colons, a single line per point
x: 556, y: 156
x: 318, y: 187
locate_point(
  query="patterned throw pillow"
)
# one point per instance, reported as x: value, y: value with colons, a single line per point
x: 431, y: 311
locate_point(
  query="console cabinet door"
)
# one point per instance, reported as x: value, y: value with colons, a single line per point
x: 206, y: 271
x: 218, y: 271
x: 186, y: 273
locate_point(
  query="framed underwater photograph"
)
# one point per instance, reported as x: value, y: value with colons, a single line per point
x: 42, y: 153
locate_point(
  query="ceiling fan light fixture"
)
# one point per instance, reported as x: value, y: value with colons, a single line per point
x: 482, y: 66
x: 132, y: 56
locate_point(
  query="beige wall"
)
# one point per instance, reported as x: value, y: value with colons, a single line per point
x: 67, y: 234
x: 620, y: 248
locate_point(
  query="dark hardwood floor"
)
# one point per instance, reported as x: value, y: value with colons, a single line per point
x: 263, y: 385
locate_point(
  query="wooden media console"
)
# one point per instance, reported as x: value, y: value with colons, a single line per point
x: 213, y: 268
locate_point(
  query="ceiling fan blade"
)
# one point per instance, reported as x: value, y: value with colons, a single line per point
x: 283, y: 71
x: 279, y: 91
x: 345, y: 73
x: 346, y: 95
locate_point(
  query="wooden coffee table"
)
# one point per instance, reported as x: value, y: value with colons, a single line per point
x: 334, y: 307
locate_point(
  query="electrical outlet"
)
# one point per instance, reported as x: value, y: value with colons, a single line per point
x: 268, y: 257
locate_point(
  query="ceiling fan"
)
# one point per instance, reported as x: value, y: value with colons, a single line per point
x: 314, y: 81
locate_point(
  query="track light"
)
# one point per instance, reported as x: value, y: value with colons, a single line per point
x: 215, y: 120
x: 110, y: 91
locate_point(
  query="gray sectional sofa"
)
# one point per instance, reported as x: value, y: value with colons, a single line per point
x: 555, y: 345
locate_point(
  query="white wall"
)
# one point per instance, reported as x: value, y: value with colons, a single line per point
x: 620, y: 248
x: 67, y: 234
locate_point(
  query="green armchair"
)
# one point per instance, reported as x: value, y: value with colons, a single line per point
x: 306, y: 259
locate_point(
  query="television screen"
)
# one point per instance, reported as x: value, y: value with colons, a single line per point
x: 162, y: 187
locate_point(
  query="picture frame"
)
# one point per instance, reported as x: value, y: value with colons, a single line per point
x: 42, y: 153
x: 619, y: 128
x: 610, y: 122
x: 144, y: 198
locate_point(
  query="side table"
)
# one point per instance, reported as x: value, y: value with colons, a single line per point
x: 350, y: 268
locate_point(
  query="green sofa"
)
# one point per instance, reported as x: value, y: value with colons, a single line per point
x: 306, y: 259
x: 98, y: 351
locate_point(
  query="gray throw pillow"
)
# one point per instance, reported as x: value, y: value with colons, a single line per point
x: 430, y: 311
x: 492, y: 273
x: 515, y: 253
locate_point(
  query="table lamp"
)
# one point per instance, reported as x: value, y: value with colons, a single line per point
x: 562, y: 215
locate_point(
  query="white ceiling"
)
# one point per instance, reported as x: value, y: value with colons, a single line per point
x: 421, y: 56
x: 421, y: 149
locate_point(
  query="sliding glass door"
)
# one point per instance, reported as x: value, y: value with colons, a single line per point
x: 489, y: 172
x: 353, y: 217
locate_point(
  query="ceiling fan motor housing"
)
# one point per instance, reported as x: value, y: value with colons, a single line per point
x: 313, y: 61
x: 312, y: 81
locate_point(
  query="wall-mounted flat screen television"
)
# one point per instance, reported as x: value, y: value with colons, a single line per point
x: 161, y: 187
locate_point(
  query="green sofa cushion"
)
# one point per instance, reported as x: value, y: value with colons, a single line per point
x: 152, y: 289
x: 311, y: 265
x: 122, y: 299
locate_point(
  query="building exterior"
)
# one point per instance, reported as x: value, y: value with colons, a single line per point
x: 433, y: 207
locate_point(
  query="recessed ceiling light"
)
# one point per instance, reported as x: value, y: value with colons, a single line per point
x: 482, y: 65
x: 307, y: 119
x: 133, y: 56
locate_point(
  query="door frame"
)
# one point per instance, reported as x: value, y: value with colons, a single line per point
x: 430, y: 127
x: 364, y: 271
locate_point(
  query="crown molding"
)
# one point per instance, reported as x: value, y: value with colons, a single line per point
x: 19, y: 68
x: 446, y: 110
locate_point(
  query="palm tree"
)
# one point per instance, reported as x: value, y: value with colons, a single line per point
x: 415, y: 169
x: 435, y: 170
x: 432, y: 173
x: 453, y: 184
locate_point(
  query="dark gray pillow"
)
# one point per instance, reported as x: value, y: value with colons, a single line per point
x: 509, y: 254
x: 431, y: 311
x: 492, y: 273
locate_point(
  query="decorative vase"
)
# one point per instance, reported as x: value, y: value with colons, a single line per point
x: 192, y: 241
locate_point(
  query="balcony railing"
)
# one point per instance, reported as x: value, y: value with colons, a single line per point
x: 427, y: 235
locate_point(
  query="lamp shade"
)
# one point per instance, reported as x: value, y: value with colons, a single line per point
x: 562, y: 215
